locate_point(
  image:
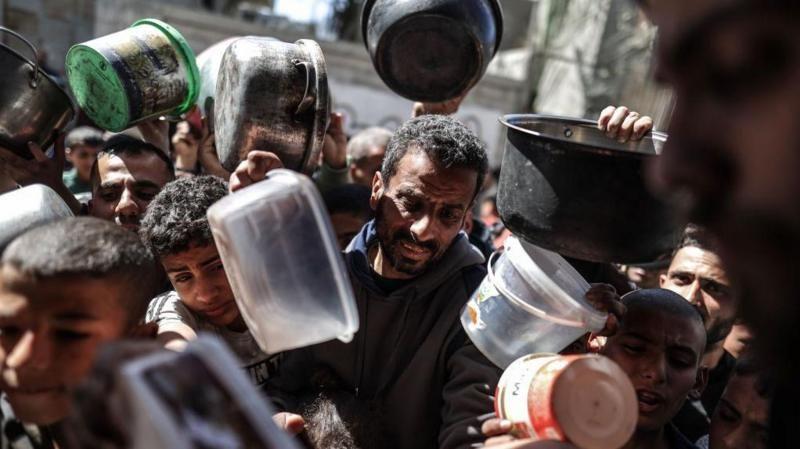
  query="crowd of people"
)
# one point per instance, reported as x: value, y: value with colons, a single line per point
x: 704, y: 334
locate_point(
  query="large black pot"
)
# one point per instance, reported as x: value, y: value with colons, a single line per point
x: 567, y: 187
x: 431, y: 50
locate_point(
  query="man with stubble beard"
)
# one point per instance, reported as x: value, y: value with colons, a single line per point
x: 412, y: 270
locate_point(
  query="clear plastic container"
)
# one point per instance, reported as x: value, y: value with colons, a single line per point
x: 197, y: 398
x: 530, y: 302
x: 281, y: 257
x: 28, y: 207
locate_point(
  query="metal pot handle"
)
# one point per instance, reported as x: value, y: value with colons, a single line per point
x: 309, y: 97
x: 35, y: 75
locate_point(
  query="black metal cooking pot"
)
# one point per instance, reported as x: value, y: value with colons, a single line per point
x: 564, y: 185
x: 431, y: 50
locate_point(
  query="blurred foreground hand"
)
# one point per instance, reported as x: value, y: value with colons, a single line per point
x: 623, y: 125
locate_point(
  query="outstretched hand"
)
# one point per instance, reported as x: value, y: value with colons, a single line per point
x: 446, y: 107
x: 622, y: 124
x: 334, y: 150
x: 207, y: 153
x: 604, y: 298
x: 40, y: 170
x: 253, y: 169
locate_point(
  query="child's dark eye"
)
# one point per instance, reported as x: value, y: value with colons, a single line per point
x: 182, y: 278
x: 10, y: 331
x: 681, y: 363
x: 633, y: 349
x: 68, y: 335
x: 726, y: 414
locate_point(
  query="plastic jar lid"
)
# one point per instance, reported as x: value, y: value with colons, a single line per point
x: 98, y: 88
x: 594, y: 403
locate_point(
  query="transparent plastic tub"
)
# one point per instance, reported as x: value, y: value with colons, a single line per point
x: 281, y: 257
x: 28, y: 207
x: 531, y: 301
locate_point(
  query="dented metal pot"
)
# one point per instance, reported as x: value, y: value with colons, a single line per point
x: 32, y: 106
x: 272, y: 96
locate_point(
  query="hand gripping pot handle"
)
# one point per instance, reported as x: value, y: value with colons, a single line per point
x: 35, y: 64
x: 525, y: 305
x: 309, y: 98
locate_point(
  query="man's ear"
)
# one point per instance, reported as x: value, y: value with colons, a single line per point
x: 700, y: 382
x: 377, y: 190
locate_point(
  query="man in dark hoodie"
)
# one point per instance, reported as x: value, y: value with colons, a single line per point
x: 410, y: 364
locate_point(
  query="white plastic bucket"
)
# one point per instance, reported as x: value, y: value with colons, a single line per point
x: 531, y: 301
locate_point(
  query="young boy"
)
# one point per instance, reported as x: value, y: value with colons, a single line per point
x: 176, y: 230
x: 82, y: 145
x: 659, y: 344
x: 65, y: 289
x: 741, y: 420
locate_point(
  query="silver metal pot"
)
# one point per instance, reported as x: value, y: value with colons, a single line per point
x: 272, y: 96
x: 208, y: 62
x: 32, y: 106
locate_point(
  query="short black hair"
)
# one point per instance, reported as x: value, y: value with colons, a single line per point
x: 176, y: 218
x: 663, y: 299
x: 124, y: 145
x: 84, y: 135
x: 659, y: 299
x: 359, y: 145
x: 695, y: 236
x: 749, y: 365
x: 89, y: 247
x: 351, y: 199
x: 446, y: 141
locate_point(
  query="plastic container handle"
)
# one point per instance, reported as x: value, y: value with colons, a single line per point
x: 308, y: 99
x: 518, y: 301
x: 35, y: 76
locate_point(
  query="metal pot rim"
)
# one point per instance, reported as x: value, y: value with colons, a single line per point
x: 43, y: 74
x: 321, y: 103
x: 495, y: 4
x: 653, y: 139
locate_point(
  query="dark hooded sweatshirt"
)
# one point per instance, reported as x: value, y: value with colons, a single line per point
x: 411, y: 360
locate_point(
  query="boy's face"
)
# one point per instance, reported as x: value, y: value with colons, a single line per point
x: 82, y: 157
x: 199, y: 278
x: 661, y: 354
x: 741, y: 420
x: 49, y: 332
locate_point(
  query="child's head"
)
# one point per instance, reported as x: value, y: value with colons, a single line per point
x: 82, y: 145
x: 741, y: 420
x: 659, y: 344
x: 66, y: 288
x: 176, y: 230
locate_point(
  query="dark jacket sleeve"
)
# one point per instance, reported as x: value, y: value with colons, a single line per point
x: 468, y: 395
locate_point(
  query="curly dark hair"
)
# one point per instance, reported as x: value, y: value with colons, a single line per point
x: 176, y: 218
x: 444, y: 139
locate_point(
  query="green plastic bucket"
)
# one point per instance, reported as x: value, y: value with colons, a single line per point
x: 130, y: 76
